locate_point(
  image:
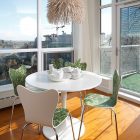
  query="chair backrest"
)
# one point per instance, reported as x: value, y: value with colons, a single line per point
x: 116, y: 86
x: 17, y: 77
x: 38, y: 107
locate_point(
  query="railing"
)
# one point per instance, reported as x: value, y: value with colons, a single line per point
x: 129, y: 59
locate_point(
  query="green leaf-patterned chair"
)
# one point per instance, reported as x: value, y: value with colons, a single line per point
x: 41, y: 108
x: 17, y: 77
x: 102, y: 101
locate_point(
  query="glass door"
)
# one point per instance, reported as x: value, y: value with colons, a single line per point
x: 129, y: 47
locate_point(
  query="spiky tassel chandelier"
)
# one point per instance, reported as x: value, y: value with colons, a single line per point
x: 65, y: 11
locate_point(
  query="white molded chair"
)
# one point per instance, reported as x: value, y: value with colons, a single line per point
x: 41, y: 108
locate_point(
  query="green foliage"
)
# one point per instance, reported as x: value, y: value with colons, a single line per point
x: 77, y: 64
x: 83, y: 66
x: 58, y: 63
x: 17, y: 77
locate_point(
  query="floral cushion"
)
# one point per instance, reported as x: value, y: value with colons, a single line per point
x: 98, y: 100
x: 59, y: 116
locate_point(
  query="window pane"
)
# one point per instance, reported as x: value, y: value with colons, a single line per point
x: 18, y: 24
x: 54, y: 36
x: 14, y: 61
x: 121, y: 0
x: 49, y: 58
x: 106, y: 40
x: 130, y: 48
x: 104, y: 2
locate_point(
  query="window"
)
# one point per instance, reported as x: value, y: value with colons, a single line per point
x: 106, y: 40
x: 130, y: 48
x: 55, y: 36
x: 56, y: 40
x: 18, y: 28
x: 18, y: 37
x: 20, y: 43
x: 61, y: 57
x: 105, y: 2
x: 121, y: 0
x: 120, y: 41
x: 14, y: 60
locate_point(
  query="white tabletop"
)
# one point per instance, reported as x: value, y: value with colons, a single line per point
x: 88, y: 80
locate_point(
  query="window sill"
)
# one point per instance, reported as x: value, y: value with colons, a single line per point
x: 5, y: 88
x: 106, y: 86
x: 6, y: 91
x: 129, y: 97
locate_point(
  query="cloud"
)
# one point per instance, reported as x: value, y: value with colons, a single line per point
x: 28, y: 26
x: 25, y: 6
x: 7, y: 35
x: 26, y: 10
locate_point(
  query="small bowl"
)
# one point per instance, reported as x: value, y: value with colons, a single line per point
x: 76, y: 73
x: 55, y: 78
x: 67, y: 69
x: 76, y: 76
x: 56, y: 75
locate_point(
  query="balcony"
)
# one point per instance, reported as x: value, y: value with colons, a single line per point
x: 129, y: 66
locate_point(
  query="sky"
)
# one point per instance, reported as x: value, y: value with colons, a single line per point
x: 104, y: 2
x: 18, y: 20
x: 106, y: 20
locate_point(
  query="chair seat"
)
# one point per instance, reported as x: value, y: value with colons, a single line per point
x: 59, y: 116
x: 97, y: 100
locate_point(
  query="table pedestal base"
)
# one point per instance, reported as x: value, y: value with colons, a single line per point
x: 64, y: 131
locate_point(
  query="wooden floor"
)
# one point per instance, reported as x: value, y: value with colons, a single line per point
x: 97, y: 122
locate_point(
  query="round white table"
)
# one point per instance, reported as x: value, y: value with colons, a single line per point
x: 40, y: 81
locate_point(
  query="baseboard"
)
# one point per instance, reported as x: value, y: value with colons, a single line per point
x: 7, y: 102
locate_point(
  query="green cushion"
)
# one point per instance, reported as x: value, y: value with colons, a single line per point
x: 97, y: 100
x: 59, y: 116
x: 17, y: 77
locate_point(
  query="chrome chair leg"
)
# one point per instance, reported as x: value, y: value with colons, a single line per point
x: 24, y: 129
x: 85, y: 92
x: 116, y: 123
x: 39, y: 129
x: 82, y: 114
x: 55, y: 133
x: 81, y: 100
x: 13, y: 106
x: 72, y: 126
x: 111, y: 115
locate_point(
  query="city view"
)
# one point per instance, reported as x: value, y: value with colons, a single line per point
x: 18, y: 30
x: 29, y: 58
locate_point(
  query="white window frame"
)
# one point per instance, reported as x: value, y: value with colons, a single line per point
x: 113, y: 34
x: 119, y: 6
x: 115, y: 38
x: 106, y: 84
x: 40, y: 51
